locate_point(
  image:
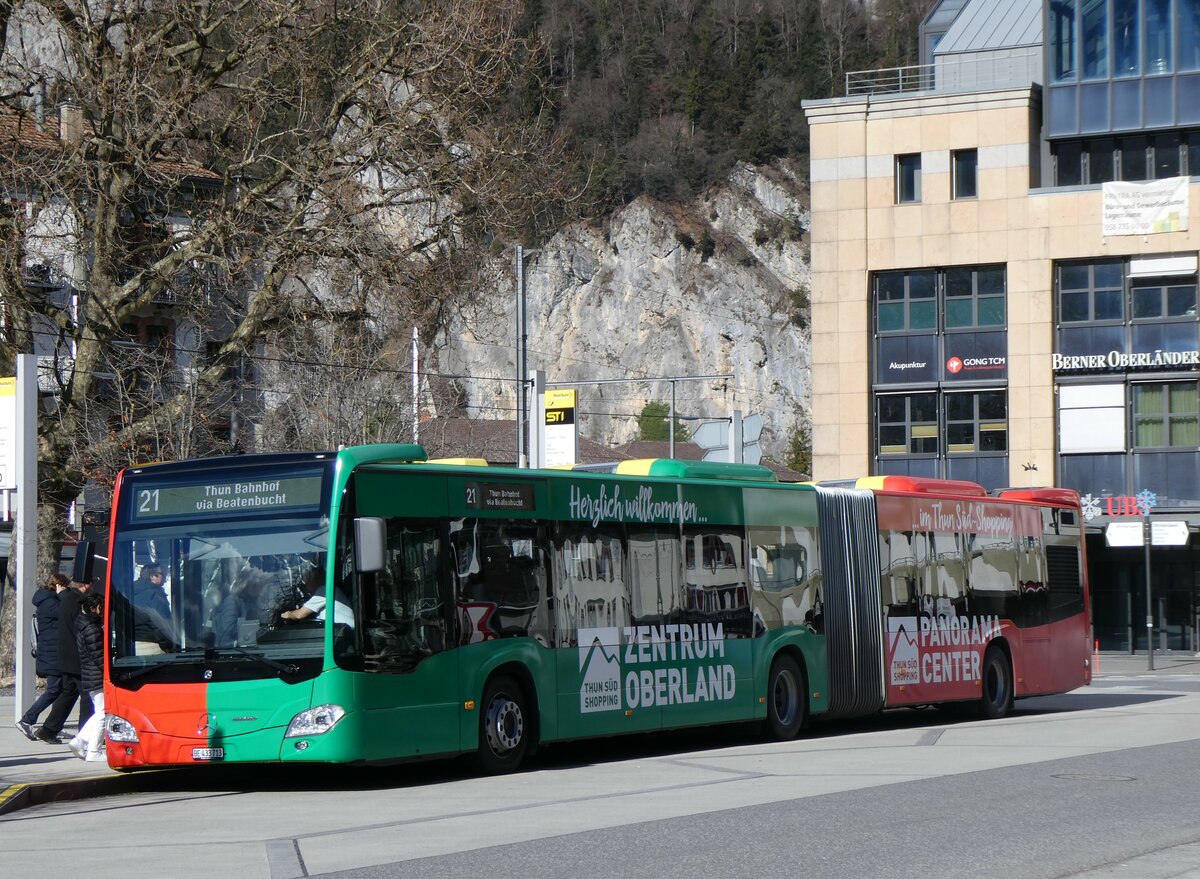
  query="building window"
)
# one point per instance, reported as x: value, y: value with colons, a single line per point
x: 908, y: 424
x: 975, y: 297
x: 908, y: 178
x: 1125, y: 38
x: 1062, y: 41
x: 976, y: 422
x: 1068, y: 163
x: 1166, y: 415
x: 1187, y: 14
x: 1101, y: 164
x: 1091, y: 292
x: 1134, y: 158
x: 965, y: 166
x: 1156, y: 301
x: 1094, y: 20
x: 1166, y: 155
x: 1158, y: 35
x: 907, y: 301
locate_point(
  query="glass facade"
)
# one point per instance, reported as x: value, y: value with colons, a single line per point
x: 1139, y: 38
x: 1128, y: 347
x: 941, y: 334
x: 1121, y: 65
x: 1128, y: 389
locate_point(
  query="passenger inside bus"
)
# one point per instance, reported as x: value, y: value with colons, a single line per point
x: 254, y: 599
x: 151, y: 612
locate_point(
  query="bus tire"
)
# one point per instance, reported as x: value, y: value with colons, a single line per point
x: 504, y: 726
x: 787, y: 699
x: 997, y: 697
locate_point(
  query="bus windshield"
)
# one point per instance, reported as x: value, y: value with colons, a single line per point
x: 218, y: 591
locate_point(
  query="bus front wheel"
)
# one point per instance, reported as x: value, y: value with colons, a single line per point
x: 997, y: 698
x: 503, y: 727
x: 787, y: 699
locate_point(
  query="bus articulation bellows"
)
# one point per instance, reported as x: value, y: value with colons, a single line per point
x: 369, y: 605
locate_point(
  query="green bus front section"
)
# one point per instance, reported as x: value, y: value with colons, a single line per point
x: 638, y: 678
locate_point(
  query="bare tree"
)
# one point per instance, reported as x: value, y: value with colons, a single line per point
x: 247, y: 167
x: 842, y: 24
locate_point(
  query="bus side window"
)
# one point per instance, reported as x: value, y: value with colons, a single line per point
x: 717, y: 589
x: 655, y: 570
x: 783, y: 576
x: 503, y: 593
x: 993, y: 577
x: 403, y: 609
x: 589, y: 580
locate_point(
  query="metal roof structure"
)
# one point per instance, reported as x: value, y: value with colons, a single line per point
x: 943, y: 15
x: 993, y: 24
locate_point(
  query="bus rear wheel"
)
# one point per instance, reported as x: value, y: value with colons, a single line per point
x: 997, y: 698
x: 503, y: 727
x: 787, y: 699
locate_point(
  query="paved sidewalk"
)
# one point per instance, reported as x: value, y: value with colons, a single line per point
x: 1122, y: 664
x: 33, y: 772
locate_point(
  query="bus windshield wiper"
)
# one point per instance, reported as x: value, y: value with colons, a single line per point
x: 134, y: 673
x: 287, y: 668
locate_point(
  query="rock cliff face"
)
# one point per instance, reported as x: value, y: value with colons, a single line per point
x: 655, y: 292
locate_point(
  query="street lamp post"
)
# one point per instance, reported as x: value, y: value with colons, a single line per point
x: 1149, y: 604
x: 522, y: 460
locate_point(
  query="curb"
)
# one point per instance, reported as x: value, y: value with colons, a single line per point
x: 36, y: 793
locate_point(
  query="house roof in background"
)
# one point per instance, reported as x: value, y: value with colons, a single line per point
x: 20, y: 131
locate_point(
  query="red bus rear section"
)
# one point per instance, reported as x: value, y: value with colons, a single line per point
x: 984, y: 597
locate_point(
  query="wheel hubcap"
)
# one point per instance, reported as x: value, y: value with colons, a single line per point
x: 785, y: 698
x: 996, y: 686
x: 505, y: 725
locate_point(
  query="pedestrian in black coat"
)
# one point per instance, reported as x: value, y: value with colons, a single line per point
x: 46, y: 602
x: 89, y: 743
x: 68, y: 666
x: 89, y: 639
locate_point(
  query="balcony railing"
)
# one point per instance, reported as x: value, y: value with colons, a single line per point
x: 890, y: 80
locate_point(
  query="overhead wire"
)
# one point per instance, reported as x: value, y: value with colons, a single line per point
x: 559, y: 272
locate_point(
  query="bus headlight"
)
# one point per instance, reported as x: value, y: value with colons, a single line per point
x: 315, y: 721
x: 119, y: 729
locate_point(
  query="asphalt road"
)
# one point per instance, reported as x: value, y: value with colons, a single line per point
x: 1104, y: 782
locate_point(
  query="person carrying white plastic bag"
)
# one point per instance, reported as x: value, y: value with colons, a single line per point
x: 88, y: 743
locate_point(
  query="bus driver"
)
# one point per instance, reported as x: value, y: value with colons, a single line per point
x: 314, y: 606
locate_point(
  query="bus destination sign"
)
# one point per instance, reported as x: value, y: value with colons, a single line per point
x: 499, y: 496
x: 245, y: 495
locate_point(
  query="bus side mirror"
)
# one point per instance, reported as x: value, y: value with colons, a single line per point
x: 85, y: 556
x: 369, y: 543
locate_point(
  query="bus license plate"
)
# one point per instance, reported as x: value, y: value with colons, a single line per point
x: 208, y: 753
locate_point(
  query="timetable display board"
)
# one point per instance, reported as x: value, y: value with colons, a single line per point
x: 561, y: 439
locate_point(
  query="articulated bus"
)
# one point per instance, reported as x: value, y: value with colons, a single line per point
x: 368, y: 605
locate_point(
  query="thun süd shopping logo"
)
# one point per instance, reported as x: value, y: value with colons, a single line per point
x: 600, y: 689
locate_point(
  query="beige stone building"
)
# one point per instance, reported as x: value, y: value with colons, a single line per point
x: 1004, y: 255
